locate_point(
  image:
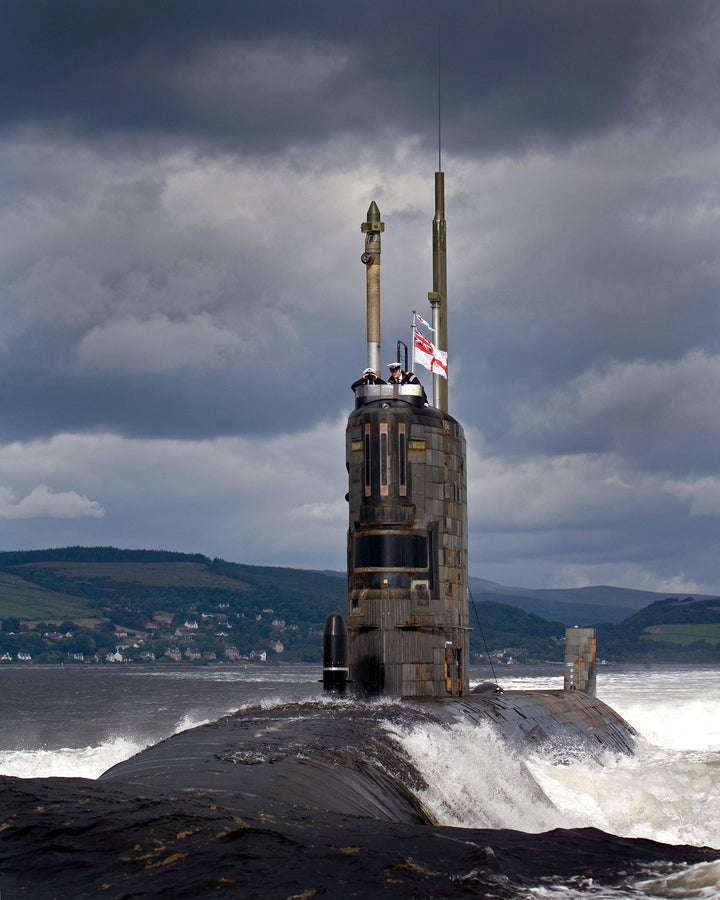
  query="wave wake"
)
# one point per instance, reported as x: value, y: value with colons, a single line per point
x: 474, y: 780
x: 67, y: 762
x: 665, y: 795
x: 83, y: 762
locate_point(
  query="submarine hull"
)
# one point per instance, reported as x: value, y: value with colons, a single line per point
x: 342, y: 756
x: 307, y: 800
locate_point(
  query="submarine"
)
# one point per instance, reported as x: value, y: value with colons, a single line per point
x: 400, y: 657
x: 323, y: 798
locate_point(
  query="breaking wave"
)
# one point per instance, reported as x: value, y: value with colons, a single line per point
x: 475, y: 780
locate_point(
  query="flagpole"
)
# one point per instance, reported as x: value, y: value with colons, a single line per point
x: 414, y: 329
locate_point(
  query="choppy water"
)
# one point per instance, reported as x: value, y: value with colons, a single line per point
x: 79, y: 721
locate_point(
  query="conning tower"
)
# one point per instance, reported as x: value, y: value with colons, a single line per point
x: 407, y: 535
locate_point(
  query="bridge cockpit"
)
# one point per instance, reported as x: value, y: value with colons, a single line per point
x: 371, y: 393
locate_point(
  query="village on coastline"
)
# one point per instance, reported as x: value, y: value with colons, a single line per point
x: 97, y: 606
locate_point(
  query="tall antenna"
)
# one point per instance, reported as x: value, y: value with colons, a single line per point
x: 438, y: 295
x: 439, y: 102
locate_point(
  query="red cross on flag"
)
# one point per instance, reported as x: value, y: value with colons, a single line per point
x: 428, y: 355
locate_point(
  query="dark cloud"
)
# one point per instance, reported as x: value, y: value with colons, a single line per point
x: 182, y: 298
x: 256, y: 77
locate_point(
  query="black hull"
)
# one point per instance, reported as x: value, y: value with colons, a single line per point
x: 308, y: 800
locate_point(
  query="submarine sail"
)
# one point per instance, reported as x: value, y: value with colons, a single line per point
x: 407, y: 533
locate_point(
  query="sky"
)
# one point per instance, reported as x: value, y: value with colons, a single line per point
x: 182, y: 300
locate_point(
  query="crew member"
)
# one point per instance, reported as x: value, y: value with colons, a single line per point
x: 397, y: 376
x: 369, y: 376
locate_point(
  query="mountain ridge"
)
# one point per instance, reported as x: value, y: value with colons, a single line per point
x: 593, y: 604
x: 106, y: 603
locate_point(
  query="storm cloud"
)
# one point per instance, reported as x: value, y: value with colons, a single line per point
x: 183, y: 302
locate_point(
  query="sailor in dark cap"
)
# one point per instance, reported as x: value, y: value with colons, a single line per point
x: 397, y: 376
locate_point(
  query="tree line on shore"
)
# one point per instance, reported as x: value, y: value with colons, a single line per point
x: 158, y: 606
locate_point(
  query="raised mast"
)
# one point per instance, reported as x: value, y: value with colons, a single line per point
x: 438, y: 295
x: 372, y: 228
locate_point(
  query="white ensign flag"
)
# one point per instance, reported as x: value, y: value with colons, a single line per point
x: 428, y: 355
x: 423, y: 322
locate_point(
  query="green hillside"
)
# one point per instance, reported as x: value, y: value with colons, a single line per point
x: 145, y: 600
x: 80, y: 604
x: 24, y: 599
x: 674, y: 629
x: 685, y: 635
x: 84, y: 602
x: 511, y: 633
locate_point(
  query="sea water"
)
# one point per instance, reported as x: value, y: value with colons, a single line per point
x: 78, y: 721
x: 669, y: 791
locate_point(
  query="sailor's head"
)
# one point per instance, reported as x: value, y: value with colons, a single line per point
x: 395, y: 368
x: 369, y: 373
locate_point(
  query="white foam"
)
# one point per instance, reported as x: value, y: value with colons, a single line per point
x: 676, y: 724
x: 474, y: 781
x: 84, y: 762
x: 67, y: 762
x: 698, y: 882
x: 664, y: 795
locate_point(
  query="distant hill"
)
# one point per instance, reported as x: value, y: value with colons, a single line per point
x: 22, y: 598
x: 572, y: 606
x: 102, y: 603
x: 161, y: 602
x: 672, y: 629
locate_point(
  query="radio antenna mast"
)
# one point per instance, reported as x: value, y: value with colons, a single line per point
x: 439, y: 73
x: 438, y: 295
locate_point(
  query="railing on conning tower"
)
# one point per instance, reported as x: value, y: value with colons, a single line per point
x: 408, y: 393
